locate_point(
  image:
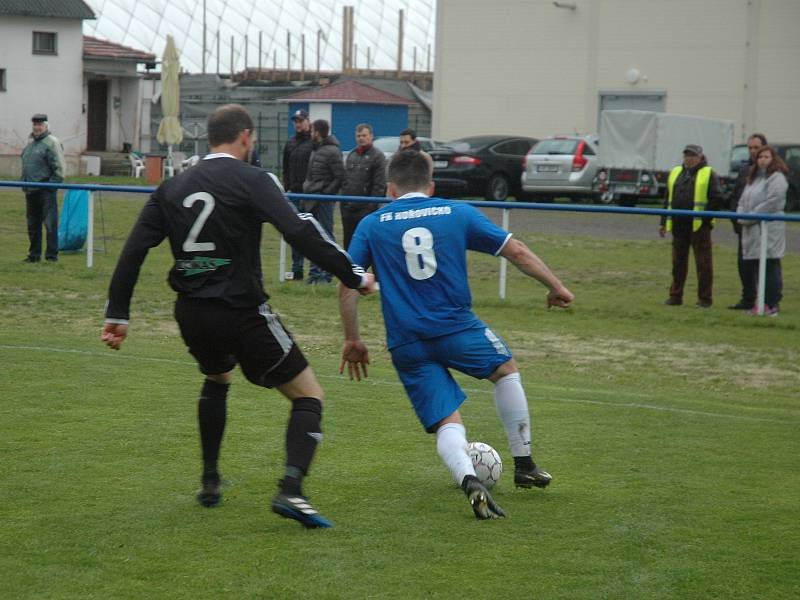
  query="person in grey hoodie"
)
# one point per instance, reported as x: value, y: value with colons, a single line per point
x: 765, y: 193
x: 42, y: 162
x: 325, y: 176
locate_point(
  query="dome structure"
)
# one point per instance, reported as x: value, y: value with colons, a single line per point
x: 145, y: 24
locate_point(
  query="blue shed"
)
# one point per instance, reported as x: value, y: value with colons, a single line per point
x: 345, y: 104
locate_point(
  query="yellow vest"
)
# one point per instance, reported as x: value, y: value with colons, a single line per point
x: 701, y: 183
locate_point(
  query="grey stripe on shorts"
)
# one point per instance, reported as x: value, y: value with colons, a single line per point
x: 275, y: 326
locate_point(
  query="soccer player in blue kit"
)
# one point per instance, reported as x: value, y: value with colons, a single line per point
x: 417, y: 245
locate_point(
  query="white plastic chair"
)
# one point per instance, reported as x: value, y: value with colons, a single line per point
x: 137, y: 165
x: 190, y: 162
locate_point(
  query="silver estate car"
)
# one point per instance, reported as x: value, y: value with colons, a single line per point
x: 561, y: 166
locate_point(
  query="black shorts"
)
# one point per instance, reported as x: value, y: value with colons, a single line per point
x: 219, y: 337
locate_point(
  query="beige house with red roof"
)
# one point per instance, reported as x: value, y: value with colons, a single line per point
x: 89, y: 88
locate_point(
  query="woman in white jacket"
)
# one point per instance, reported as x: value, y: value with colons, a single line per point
x: 765, y: 193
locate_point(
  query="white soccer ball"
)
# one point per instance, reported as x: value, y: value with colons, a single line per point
x: 487, y: 462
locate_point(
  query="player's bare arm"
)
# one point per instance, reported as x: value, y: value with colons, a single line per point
x: 526, y: 261
x: 354, y: 352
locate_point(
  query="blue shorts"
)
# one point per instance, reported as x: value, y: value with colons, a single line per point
x: 423, y: 368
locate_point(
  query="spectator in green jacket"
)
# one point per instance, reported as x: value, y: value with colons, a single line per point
x: 42, y: 161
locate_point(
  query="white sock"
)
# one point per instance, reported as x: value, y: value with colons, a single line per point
x: 512, y: 408
x: 451, y: 444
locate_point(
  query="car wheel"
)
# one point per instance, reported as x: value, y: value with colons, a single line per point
x: 498, y: 188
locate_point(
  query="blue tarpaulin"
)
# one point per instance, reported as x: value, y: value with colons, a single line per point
x: 74, y: 221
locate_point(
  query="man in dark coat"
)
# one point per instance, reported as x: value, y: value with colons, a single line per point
x: 365, y: 175
x: 325, y: 176
x: 296, y: 153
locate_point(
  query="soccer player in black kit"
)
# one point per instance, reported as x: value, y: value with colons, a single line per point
x: 212, y: 215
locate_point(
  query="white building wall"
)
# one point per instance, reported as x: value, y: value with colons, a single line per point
x: 529, y: 67
x: 52, y: 84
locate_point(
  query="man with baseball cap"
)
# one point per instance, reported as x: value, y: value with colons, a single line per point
x: 296, y: 154
x: 42, y: 161
x: 692, y: 185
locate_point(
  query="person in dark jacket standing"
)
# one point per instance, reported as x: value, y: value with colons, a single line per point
x: 691, y: 186
x: 296, y: 153
x: 748, y: 298
x: 409, y: 141
x: 365, y: 175
x: 212, y: 215
x: 42, y: 161
x: 325, y: 176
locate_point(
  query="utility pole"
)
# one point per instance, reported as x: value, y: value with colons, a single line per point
x: 400, y: 43
x: 204, y: 37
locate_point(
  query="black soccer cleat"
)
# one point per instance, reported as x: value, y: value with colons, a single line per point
x: 481, y: 501
x: 535, y: 477
x: 299, y: 509
x: 210, y: 494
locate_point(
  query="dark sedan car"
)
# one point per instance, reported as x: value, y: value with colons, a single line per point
x: 482, y: 165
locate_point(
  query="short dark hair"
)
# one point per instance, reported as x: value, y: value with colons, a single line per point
x: 321, y: 126
x: 226, y: 123
x: 759, y: 136
x: 410, y: 171
x: 410, y: 132
x: 366, y: 126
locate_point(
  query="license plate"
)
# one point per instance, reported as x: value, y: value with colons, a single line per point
x: 440, y: 164
x: 625, y: 189
x: 547, y: 168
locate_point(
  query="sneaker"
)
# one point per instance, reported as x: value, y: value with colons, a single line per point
x: 771, y: 311
x: 483, y: 505
x: 30, y: 259
x: 753, y: 312
x: 210, y: 494
x: 703, y: 305
x: 672, y: 301
x: 299, y: 509
x: 297, y: 276
x: 740, y: 305
x: 536, y: 477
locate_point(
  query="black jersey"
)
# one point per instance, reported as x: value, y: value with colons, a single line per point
x: 212, y: 215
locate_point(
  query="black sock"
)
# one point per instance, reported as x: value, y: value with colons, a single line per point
x: 303, y: 433
x: 211, y: 416
x: 524, y: 463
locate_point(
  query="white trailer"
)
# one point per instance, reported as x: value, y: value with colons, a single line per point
x: 639, y: 148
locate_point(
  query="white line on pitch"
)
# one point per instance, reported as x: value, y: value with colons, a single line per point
x: 687, y: 411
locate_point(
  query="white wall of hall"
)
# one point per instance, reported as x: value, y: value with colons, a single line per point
x: 530, y: 67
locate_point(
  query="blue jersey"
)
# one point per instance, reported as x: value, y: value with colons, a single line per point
x: 418, y: 248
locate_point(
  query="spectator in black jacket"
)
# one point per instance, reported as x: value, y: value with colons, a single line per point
x: 325, y: 176
x: 296, y: 153
x: 409, y: 141
x: 748, y: 298
x: 365, y: 175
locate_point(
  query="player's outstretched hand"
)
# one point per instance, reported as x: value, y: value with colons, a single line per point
x: 114, y: 334
x: 371, y: 287
x: 356, y: 356
x: 560, y: 297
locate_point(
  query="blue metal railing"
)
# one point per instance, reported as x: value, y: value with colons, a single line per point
x: 506, y: 207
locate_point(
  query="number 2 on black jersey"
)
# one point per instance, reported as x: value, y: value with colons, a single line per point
x: 191, y: 244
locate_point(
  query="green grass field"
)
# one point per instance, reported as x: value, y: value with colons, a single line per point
x: 673, y: 436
